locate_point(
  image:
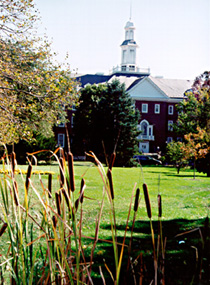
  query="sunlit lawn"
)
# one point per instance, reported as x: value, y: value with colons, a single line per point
x: 183, y: 197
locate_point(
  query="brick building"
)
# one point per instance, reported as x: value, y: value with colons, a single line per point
x: 155, y: 97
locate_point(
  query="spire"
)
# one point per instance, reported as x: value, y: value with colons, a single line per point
x: 130, y: 10
x: 128, y: 48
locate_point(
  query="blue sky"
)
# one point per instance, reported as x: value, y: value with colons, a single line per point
x: 173, y: 35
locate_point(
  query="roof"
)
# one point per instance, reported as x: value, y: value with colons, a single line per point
x: 129, y: 24
x: 92, y: 79
x: 174, y: 88
x: 126, y: 42
x: 128, y: 81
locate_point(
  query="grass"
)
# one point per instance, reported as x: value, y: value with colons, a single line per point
x: 182, y: 196
x: 185, y: 201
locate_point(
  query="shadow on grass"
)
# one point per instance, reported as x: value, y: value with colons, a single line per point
x: 187, y: 252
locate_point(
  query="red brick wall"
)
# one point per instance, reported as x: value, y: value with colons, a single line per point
x: 159, y: 122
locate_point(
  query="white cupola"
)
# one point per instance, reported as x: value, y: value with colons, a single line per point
x: 128, y: 48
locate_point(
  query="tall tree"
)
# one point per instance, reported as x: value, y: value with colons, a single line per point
x: 32, y: 88
x: 194, y: 121
x: 105, y: 118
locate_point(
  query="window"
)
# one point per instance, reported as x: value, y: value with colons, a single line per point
x: 146, y: 130
x: 61, y: 125
x: 131, y: 35
x: 170, y: 125
x: 124, y: 56
x: 150, y: 129
x: 132, y: 55
x: 61, y: 140
x: 131, y: 68
x: 126, y: 35
x: 73, y: 107
x: 179, y: 139
x: 169, y: 139
x: 72, y: 121
x: 144, y: 108
x: 143, y: 127
x: 157, y: 108
x: 170, y: 109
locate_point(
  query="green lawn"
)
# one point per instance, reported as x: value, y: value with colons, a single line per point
x: 182, y: 196
x: 185, y: 203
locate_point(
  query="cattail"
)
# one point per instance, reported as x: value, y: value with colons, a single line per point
x: 50, y: 185
x: 55, y: 220
x: 159, y: 206
x: 3, y: 229
x: 81, y: 189
x: 15, y: 191
x: 28, y: 176
x: 66, y: 197
x: 61, y: 172
x: 136, y: 203
x: 58, y: 202
x: 71, y: 170
x: 109, y: 175
x: 112, y: 160
x: 147, y: 200
x: 13, y: 161
x: 76, y: 205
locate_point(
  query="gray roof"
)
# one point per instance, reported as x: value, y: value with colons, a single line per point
x: 174, y: 88
x: 128, y: 81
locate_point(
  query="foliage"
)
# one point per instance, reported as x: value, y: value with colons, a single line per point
x: 106, y: 116
x: 39, y: 143
x: 32, y: 87
x: 194, y: 120
x: 176, y: 153
x: 197, y: 147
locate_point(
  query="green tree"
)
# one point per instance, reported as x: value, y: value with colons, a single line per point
x: 33, y: 89
x: 176, y: 154
x: 194, y: 121
x: 105, y: 118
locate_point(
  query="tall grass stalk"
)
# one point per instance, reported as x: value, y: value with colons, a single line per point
x: 149, y: 213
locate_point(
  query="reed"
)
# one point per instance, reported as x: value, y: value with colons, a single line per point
x: 149, y: 213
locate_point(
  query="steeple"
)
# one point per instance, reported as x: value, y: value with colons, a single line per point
x: 128, y: 48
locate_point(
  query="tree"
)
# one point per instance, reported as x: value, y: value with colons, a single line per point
x: 106, y: 116
x: 176, y: 153
x: 33, y: 90
x: 194, y: 121
x: 197, y: 147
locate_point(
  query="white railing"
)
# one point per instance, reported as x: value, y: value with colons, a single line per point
x: 127, y: 69
x: 145, y: 137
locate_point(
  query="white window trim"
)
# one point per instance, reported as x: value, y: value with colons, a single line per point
x: 158, y: 111
x: 63, y: 139
x: 150, y: 130
x: 61, y: 125
x: 169, y: 139
x: 146, y: 106
x: 170, y: 125
x: 170, y: 109
x: 72, y: 121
